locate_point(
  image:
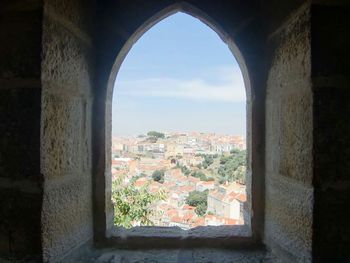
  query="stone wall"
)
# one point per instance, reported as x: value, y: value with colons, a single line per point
x: 20, y: 96
x: 289, y: 138
x: 331, y: 85
x: 67, y: 77
x: 55, y: 85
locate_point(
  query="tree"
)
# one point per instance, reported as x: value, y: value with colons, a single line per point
x: 158, y: 176
x: 235, y: 151
x: 224, y: 159
x: 199, y: 200
x: 155, y: 134
x: 200, y: 175
x: 201, y: 209
x: 205, y: 165
x: 133, y: 205
x: 208, y: 160
x: 232, y: 167
x: 185, y: 170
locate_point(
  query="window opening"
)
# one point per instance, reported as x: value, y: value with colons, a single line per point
x: 179, y: 130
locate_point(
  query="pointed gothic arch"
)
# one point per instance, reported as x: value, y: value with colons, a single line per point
x: 103, y: 217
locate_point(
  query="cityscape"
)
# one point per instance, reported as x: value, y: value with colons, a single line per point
x: 184, y: 179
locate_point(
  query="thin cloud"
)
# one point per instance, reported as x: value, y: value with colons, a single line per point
x: 228, y: 87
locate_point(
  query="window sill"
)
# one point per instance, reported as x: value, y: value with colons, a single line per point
x: 199, y: 255
x: 175, y: 237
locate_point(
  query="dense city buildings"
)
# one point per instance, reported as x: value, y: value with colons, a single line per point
x: 199, y: 178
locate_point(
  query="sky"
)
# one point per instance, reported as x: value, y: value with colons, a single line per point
x: 179, y: 76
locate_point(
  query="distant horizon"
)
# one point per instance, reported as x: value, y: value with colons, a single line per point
x: 172, y: 132
x: 179, y: 76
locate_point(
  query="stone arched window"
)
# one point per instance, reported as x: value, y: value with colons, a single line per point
x: 110, y: 62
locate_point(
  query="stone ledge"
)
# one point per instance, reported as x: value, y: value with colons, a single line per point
x: 176, y: 256
x: 175, y: 237
x: 170, y: 232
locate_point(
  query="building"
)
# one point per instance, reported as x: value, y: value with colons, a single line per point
x: 227, y: 201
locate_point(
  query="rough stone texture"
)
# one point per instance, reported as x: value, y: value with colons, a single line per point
x: 289, y: 194
x: 20, y: 96
x: 181, y: 256
x: 289, y: 102
x: 331, y: 84
x: 62, y: 146
x: 289, y: 226
x: 67, y: 68
x: 277, y: 12
x: 152, y: 237
x: 67, y: 218
x: 77, y: 14
x: 49, y: 79
x: 63, y: 47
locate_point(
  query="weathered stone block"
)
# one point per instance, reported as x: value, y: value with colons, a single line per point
x: 278, y: 12
x: 67, y: 215
x: 79, y: 13
x: 67, y: 65
x: 63, y: 137
x: 289, y: 103
x: 289, y: 141
x: 288, y: 219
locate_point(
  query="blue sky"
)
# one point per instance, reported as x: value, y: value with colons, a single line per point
x: 179, y: 76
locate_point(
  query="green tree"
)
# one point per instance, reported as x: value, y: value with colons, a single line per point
x: 224, y: 159
x: 235, y: 151
x: 199, y: 200
x: 158, y: 176
x: 208, y: 160
x: 155, y: 134
x: 185, y: 170
x: 200, y: 175
x: 131, y: 204
x: 201, y: 209
x: 232, y: 167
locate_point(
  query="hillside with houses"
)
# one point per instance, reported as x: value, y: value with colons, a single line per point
x: 198, y: 177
